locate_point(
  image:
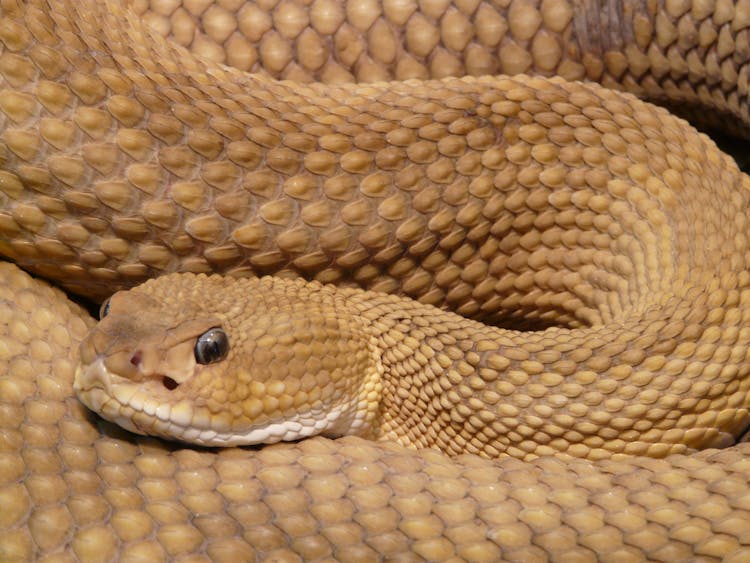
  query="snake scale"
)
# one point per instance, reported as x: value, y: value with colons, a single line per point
x: 608, y: 237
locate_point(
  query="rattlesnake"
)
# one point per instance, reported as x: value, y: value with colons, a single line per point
x: 588, y: 219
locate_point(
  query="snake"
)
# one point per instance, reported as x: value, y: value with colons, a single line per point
x: 520, y: 333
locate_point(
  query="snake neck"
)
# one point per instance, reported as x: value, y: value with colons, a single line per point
x: 457, y: 385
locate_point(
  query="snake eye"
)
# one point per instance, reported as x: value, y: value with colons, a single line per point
x: 211, y: 346
x: 104, y: 309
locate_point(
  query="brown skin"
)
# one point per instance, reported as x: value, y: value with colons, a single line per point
x: 125, y: 164
x: 690, y: 56
x: 110, y: 179
x: 73, y: 483
x: 420, y: 376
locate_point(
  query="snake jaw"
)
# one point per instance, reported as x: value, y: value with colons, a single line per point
x: 125, y: 403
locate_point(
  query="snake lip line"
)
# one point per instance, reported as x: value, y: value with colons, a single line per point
x: 124, y: 403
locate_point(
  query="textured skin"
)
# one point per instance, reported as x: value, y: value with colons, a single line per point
x: 120, y: 164
x: 645, y: 383
x: 688, y: 55
x: 76, y: 487
x: 556, y: 204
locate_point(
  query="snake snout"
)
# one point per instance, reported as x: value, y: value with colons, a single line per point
x: 169, y: 383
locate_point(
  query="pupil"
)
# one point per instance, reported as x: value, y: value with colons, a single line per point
x: 212, y: 346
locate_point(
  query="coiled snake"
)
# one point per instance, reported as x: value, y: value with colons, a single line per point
x: 606, y: 235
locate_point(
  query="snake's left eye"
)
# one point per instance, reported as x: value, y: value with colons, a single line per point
x: 104, y: 309
x: 212, y: 346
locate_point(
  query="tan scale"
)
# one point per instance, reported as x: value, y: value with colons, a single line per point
x: 611, y: 234
x: 192, y: 166
x: 307, y: 359
x: 75, y: 486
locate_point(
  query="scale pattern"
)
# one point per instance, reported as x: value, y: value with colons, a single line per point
x: 75, y: 487
x: 528, y: 202
x: 677, y: 52
x: 670, y: 377
x: 126, y: 158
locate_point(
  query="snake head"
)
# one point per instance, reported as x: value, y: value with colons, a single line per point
x: 218, y: 362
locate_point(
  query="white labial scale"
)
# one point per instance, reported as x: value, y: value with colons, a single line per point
x: 124, y: 393
x: 163, y: 412
x: 181, y: 414
x: 150, y: 407
x: 293, y: 428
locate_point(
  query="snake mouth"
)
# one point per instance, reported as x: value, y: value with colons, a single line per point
x: 138, y: 409
x: 128, y: 404
x: 93, y: 388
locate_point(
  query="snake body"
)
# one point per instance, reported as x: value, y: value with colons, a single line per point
x: 609, y: 230
x: 76, y: 487
x: 307, y: 359
x: 124, y: 164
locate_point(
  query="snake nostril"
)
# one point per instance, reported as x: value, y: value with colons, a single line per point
x: 169, y: 383
x: 136, y: 359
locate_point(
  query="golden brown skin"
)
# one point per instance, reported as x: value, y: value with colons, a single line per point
x: 74, y: 486
x: 123, y: 157
x: 645, y: 383
x: 122, y: 164
x: 689, y: 55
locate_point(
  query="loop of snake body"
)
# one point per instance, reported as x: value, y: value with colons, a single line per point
x: 609, y: 237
